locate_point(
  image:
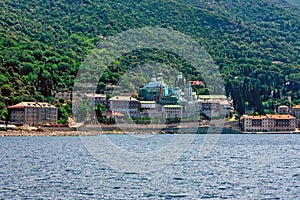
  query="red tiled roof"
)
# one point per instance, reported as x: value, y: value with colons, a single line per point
x: 196, y: 83
x: 276, y: 116
x: 254, y: 117
x: 297, y: 106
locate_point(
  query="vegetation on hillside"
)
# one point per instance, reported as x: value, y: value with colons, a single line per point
x: 255, y: 44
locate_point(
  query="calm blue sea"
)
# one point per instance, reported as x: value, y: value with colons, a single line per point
x: 238, y: 167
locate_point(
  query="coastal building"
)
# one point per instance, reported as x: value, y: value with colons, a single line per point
x: 209, y: 108
x: 214, y: 105
x: 189, y: 109
x: 33, y: 113
x: 283, y: 109
x: 126, y: 105
x: 255, y: 123
x: 150, y: 109
x: 97, y: 98
x: 267, y: 123
x: 296, y: 111
x: 148, y: 105
x: 172, y: 111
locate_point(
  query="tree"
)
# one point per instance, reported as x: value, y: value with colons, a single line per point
x: 3, y: 115
x: 99, y: 109
x: 63, y: 116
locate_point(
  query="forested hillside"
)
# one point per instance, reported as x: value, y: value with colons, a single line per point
x: 255, y: 43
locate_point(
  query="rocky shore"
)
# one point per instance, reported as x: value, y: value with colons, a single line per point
x: 24, y: 133
x: 111, y: 130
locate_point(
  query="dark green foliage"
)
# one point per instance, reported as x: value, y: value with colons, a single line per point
x: 99, y: 110
x: 64, y: 111
x: 43, y: 44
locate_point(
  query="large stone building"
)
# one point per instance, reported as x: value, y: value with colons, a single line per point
x: 265, y: 123
x: 33, y: 113
x: 150, y: 109
x: 214, y: 105
x: 125, y: 104
x: 172, y: 111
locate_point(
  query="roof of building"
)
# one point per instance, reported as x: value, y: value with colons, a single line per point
x: 283, y: 106
x: 32, y: 104
x: 196, y: 83
x: 172, y: 106
x: 297, y: 106
x: 95, y: 95
x: 147, y: 102
x: 269, y: 116
x: 277, y: 116
x: 123, y: 98
x: 254, y: 117
x: 212, y: 96
x: 153, y: 85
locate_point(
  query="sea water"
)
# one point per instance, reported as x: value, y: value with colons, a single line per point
x: 237, y: 167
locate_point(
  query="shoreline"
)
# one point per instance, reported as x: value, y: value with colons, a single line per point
x: 105, y: 130
x: 114, y: 130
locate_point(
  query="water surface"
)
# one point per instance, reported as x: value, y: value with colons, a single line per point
x: 238, y: 167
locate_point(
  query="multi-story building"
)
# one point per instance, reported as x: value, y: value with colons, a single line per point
x: 148, y: 105
x: 215, y: 107
x: 265, y: 123
x: 150, y: 109
x: 97, y: 98
x: 172, y: 111
x: 125, y: 104
x: 33, y: 113
x: 209, y: 108
x: 283, y: 109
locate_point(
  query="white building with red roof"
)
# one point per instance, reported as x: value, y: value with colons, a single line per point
x: 265, y: 123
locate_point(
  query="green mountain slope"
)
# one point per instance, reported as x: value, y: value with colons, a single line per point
x: 44, y: 42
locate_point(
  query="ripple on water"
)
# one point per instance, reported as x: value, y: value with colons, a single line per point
x: 238, y: 167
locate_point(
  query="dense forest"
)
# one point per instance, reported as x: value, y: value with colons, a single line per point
x: 255, y: 43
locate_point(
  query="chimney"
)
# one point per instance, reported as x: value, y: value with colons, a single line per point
x: 160, y: 92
